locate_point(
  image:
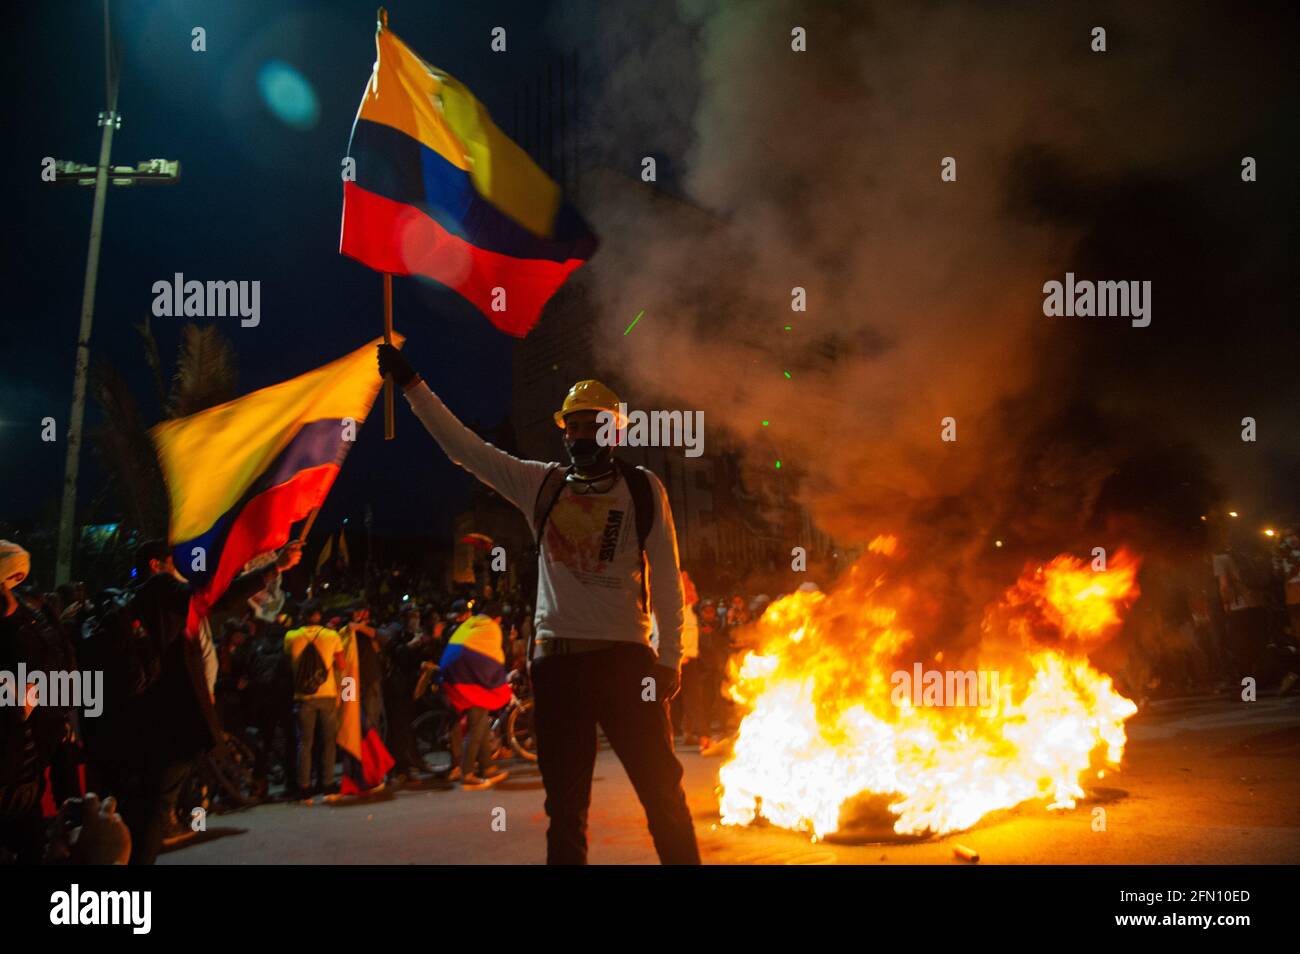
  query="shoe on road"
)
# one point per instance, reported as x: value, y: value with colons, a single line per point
x: 479, y: 782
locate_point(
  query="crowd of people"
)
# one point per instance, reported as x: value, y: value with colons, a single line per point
x: 1208, y: 621
x: 271, y: 670
x: 106, y: 787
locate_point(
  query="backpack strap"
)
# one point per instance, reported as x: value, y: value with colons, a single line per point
x: 547, y: 494
x: 643, y: 507
x: 643, y: 501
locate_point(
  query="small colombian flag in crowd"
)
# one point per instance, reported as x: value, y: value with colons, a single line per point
x: 473, y: 666
x: 242, y: 473
x: 440, y: 191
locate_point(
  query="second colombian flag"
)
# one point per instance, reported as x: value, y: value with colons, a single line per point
x: 440, y: 191
x: 240, y: 474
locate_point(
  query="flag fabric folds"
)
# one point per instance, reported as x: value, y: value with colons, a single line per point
x: 473, y: 668
x: 240, y: 474
x: 440, y: 191
x: 367, y: 759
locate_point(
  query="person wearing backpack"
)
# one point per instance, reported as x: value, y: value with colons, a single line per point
x: 607, y: 559
x: 269, y: 699
x: 315, y: 653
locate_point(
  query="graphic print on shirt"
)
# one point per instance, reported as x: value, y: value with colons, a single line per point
x: 583, y: 533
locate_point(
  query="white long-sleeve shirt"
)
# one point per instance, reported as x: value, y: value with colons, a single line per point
x: 589, y: 568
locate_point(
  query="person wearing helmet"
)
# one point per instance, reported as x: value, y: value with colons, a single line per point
x: 607, y: 560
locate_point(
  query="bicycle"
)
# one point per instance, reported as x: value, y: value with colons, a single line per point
x: 517, y: 722
x: 220, y: 780
x: 511, y: 727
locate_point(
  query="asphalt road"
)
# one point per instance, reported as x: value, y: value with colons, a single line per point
x: 1205, y: 781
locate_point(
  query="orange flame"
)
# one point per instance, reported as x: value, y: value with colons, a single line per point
x: 827, y: 722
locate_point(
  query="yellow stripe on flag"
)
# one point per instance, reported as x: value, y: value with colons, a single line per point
x: 481, y: 634
x: 430, y: 106
x: 211, y: 458
x: 349, y: 734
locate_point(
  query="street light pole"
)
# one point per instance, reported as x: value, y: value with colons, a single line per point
x: 150, y: 172
x: 67, y: 518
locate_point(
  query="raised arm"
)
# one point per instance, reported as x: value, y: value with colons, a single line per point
x: 516, y: 480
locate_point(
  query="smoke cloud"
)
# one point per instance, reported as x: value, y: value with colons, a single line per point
x: 821, y: 170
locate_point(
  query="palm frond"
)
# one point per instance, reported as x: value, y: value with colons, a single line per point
x: 206, y: 371
x: 123, y: 445
x: 152, y: 358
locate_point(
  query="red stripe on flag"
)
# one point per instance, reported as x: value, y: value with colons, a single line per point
x: 392, y: 237
x: 264, y: 525
x: 466, y: 695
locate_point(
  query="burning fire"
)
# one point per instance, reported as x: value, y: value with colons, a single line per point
x: 826, y: 736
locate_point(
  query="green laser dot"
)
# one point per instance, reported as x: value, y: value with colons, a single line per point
x: 765, y: 423
x: 778, y: 465
x: 787, y: 374
x: 788, y: 327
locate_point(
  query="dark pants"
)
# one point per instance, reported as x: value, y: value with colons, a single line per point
x: 574, y: 694
x: 686, y: 704
x: 147, y: 802
x: 1247, y: 639
x: 272, y: 713
x: 399, y: 711
x: 316, y: 716
x: 709, y: 677
x: 479, y: 750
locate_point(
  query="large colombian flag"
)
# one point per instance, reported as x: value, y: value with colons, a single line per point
x: 473, y: 668
x: 242, y: 473
x: 440, y: 191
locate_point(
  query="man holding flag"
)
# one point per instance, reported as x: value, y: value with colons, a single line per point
x: 607, y: 559
x: 441, y: 192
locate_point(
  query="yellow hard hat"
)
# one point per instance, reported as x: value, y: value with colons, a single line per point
x: 589, y: 395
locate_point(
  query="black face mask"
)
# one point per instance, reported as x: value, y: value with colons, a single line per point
x: 589, y: 456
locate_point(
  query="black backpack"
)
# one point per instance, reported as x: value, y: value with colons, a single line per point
x: 312, y: 671
x: 266, y: 661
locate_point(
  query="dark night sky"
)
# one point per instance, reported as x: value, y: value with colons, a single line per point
x: 258, y: 199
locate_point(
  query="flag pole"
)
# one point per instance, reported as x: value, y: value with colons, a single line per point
x: 389, y: 431
x: 381, y: 17
x: 306, y: 527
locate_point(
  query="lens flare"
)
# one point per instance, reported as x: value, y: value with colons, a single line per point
x: 288, y: 94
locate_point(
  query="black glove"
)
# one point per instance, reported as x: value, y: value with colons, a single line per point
x: 392, y: 362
